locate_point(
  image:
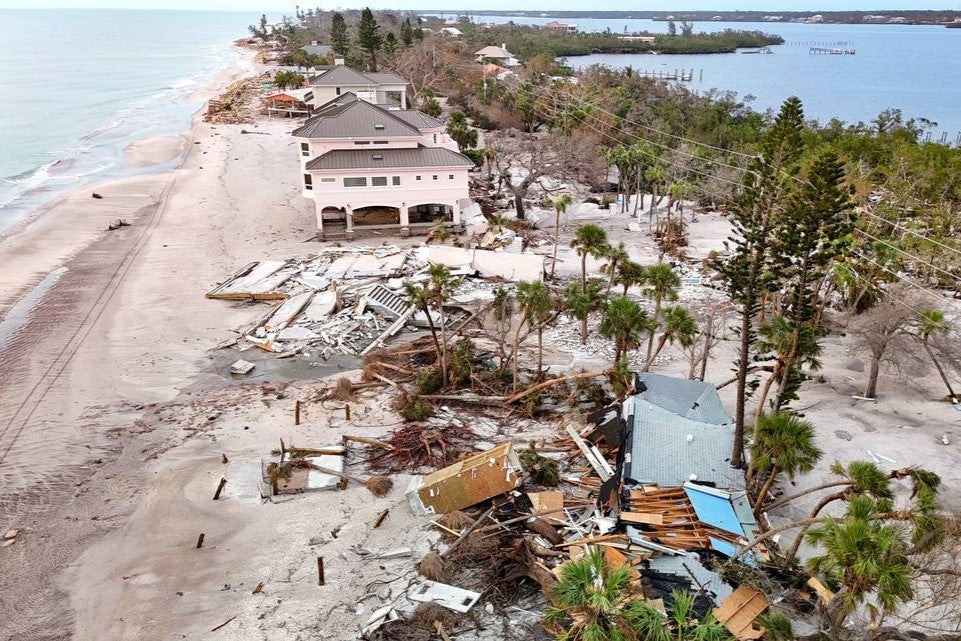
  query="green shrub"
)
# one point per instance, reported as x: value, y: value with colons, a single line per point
x: 429, y: 381
x: 414, y: 409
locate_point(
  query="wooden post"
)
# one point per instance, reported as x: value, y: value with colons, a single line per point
x: 200, y: 541
x: 320, y: 570
x: 297, y: 412
x: 380, y: 518
x: 347, y: 412
x: 220, y: 487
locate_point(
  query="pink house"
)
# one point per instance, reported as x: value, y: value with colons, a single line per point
x: 366, y: 167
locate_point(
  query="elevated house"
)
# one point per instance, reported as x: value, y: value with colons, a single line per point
x: 289, y: 103
x: 369, y: 168
x: 561, y: 26
x: 498, y: 55
x: 380, y: 88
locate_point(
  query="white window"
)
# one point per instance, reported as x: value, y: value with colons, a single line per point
x: 395, y: 181
x: 308, y: 182
x: 435, y: 176
x: 417, y: 177
x: 378, y: 181
x: 435, y: 139
x: 355, y: 182
x: 361, y: 142
x: 450, y: 176
x: 380, y: 142
x: 337, y: 90
x: 304, y: 149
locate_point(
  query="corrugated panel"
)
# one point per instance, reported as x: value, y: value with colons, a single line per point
x: 418, y: 118
x: 343, y: 76
x: 389, y: 158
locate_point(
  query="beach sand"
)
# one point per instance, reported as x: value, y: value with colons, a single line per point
x: 154, y: 151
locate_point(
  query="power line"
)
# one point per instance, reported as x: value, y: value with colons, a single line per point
x: 903, y: 279
x: 911, y: 256
x: 911, y: 231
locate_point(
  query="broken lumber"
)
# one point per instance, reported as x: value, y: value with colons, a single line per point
x: 554, y: 381
x: 220, y: 487
x: 367, y: 441
x: 380, y: 518
x: 320, y: 570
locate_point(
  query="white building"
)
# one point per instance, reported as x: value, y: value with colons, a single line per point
x: 499, y: 55
x: 370, y: 168
x: 380, y: 88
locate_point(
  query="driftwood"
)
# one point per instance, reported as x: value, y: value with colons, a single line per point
x: 493, y: 401
x: 367, y: 441
x: 553, y: 381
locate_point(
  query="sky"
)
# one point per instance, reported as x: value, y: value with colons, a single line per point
x: 286, y: 6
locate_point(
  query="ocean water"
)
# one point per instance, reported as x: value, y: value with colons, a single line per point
x: 913, y: 68
x: 78, y: 86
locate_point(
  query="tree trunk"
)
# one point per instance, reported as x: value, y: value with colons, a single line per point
x: 660, y: 346
x: 796, y: 544
x: 638, y: 196
x: 650, y: 335
x: 584, y: 290
x: 440, y: 352
x: 443, y: 338
x: 540, y: 351
x: 557, y: 233
x: 737, y: 455
x: 799, y: 305
x: 519, y: 206
x: 872, y: 388
x: 763, y: 397
x: 944, y: 378
x: 759, y: 501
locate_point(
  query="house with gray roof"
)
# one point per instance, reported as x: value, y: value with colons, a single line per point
x: 380, y: 88
x: 316, y: 49
x: 678, y: 432
x: 370, y: 168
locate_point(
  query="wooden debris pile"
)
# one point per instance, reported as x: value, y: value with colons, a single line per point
x: 236, y: 105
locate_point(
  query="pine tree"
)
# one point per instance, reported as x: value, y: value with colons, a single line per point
x: 754, y: 217
x: 368, y: 37
x: 419, y: 31
x: 815, y: 231
x: 390, y: 44
x: 339, y: 38
x: 406, y: 32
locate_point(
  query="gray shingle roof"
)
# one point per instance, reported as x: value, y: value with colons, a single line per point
x: 354, y: 119
x: 344, y: 76
x: 388, y: 158
x: 691, y: 399
x: 661, y: 452
x: 386, y: 78
x: 418, y: 118
x: 317, y: 50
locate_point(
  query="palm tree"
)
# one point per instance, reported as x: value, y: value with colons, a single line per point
x: 593, y: 602
x: 560, y: 204
x: 680, y: 327
x: 591, y: 240
x: 419, y: 296
x: 537, y: 304
x: 656, y: 175
x: 630, y: 274
x: 777, y: 336
x: 581, y: 303
x: 616, y: 256
x: 434, y: 293
x: 865, y: 555
x: 624, y: 322
x: 933, y: 322
x: 662, y: 284
x: 785, y: 445
x: 777, y: 626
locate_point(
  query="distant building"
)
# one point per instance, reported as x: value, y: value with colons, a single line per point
x: 561, y: 26
x: 319, y: 50
x: 380, y: 88
x: 499, y: 55
x: 874, y: 19
x: 815, y: 19
x: 898, y: 20
x: 370, y: 168
x: 453, y: 32
x: 637, y: 38
x: 772, y: 18
x: 716, y: 18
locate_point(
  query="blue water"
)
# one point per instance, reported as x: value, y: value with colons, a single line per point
x: 78, y: 86
x: 912, y: 68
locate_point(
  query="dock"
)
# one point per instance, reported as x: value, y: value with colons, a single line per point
x: 679, y: 75
x: 834, y: 51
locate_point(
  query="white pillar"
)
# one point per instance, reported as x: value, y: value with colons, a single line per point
x: 456, y: 209
x: 350, y: 219
x: 404, y: 219
x: 403, y: 98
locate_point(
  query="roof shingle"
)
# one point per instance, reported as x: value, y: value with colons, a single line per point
x: 389, y: 159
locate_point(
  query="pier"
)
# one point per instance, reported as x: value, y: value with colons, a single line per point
x: 821, y: 51
x: 679, y: 75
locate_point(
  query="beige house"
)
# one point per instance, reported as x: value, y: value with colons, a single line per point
x: 380, y: 88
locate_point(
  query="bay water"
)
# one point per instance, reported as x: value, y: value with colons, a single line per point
x: 914, y: 68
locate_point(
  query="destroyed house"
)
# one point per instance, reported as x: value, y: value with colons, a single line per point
x: 678, y: 432
x: 370, y: 168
